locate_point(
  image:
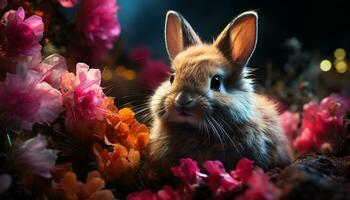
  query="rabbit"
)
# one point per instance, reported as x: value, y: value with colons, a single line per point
x: 208, y: 110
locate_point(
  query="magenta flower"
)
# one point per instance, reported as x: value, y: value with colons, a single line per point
x: 143, y: 195
x: 68, y: 3
x: 190, y: 176
x: 289, y: 122
x: 167, y: 193
x: 244, y: 169
x: 333, y: 108
x: 259, y: 188
x: 152, y: 71
x: 140, y: 54
x: 188, y: 172
x: 26, y: 100
x: 97, y: 19
x: 219, y: 181
x: 21, y: 36
x: 222, y: 184
x: 322, y: 125
x: 33, y: 156
x: 83, y: 96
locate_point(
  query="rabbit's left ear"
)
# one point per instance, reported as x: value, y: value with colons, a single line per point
x: 238, y: 40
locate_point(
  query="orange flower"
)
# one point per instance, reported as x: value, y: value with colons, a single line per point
x: 120, y: 126
x: 126, y: 135
x: 73, y: 189
x: 117, y: 164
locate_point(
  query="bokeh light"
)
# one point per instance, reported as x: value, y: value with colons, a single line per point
x: 106, y: 74
x: 325, y: 65
x: 341, y: 67
x: 127, y: 74
x: 339, y: 54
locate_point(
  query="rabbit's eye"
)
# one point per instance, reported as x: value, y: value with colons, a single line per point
x: 215, y: 82
x: 172, y: 78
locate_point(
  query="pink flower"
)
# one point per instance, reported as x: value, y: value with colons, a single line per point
x: 322, y: 125
x: 219, y: 181
x: 52, y: 67
x: 289, y: 122
x: 26, y: 100
x: 68, y: 3
x: 33, y: 156
x: 144, y: 195
x: 21, y: 36
x: 97, y: 19
x: 259, y: 188
x: 83, y: 96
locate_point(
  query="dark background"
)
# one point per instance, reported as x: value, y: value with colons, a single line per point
x: 320, y: 25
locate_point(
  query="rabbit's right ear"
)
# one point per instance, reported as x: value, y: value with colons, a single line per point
x: 178, y: 34
x: 238, y: 40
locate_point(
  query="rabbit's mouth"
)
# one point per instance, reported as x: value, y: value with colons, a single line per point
x: 183, y: 117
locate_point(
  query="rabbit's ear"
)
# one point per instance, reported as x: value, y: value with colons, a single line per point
x: 238, y: 40
x: 178, y: 34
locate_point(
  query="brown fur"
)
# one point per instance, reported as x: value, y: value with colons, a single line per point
x: 247, y: 121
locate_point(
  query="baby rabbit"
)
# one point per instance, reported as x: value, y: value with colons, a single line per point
x: 208, y: 110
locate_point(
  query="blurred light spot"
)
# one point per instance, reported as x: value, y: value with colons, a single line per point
x: 129, y: 75
x: 341, y: 67
x: 106, y: 74
x: 339, y: 54
x: 119, y: 70
x: 325, y: 65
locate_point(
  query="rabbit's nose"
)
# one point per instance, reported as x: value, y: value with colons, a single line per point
x: 184, y: 100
